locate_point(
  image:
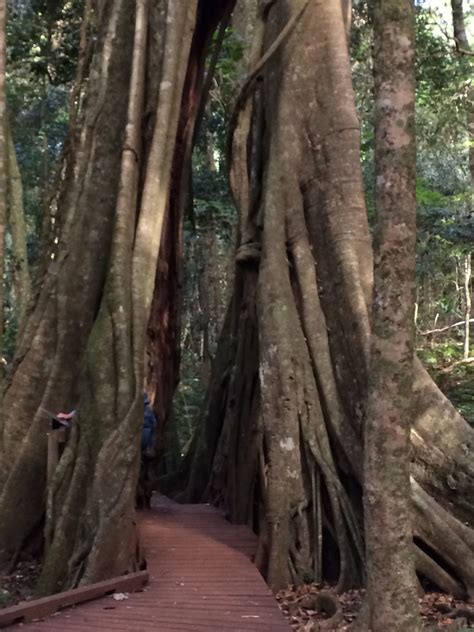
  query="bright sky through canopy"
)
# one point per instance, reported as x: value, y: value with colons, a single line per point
x: 443, y: 9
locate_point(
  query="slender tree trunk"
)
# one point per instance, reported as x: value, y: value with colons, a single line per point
x: 51, y: 221
x: 75, y: 96
x: 391, y: 579
x: 244, y: 19
x: 3, y: 182
x: 459, y: 27
x: 347, y: 13
x: 467, y: 303
x: 463, y: 46
x: 163, y: 333
x: 17, y: 222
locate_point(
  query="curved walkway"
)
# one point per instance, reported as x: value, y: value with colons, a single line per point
x: 201, y: 578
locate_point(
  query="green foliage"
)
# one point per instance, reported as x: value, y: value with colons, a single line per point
x: 208, y: 246
x: 443, y: 77
x: 441, y: 354
x: 229, y: 62
x: 5, y: 598
x: 229, y: 74
x: 445, y: 220
x: 443, y: 359
x: 42, y: 50
x: 43, y: 37
x: 211, y: 196
x: 10, y: 333
x: 42, y: 47
x: 361, y: 56
x: 188, y: 401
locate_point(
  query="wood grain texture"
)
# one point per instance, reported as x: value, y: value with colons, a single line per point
x: 201, y: 577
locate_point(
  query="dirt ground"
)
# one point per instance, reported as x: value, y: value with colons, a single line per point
x: 302, y: 608
x: 18, y: 585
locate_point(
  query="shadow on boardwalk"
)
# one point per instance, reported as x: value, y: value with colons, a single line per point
x: 201, y: 578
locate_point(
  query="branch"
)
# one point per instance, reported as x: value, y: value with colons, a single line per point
x: 248, y: 84
x: 452, y: 366
x: 463, y: 51
x: 437, y: 331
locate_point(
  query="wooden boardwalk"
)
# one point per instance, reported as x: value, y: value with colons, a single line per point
x: 201, y: 578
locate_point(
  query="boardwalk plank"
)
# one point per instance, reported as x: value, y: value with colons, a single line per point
x: 201, y: 580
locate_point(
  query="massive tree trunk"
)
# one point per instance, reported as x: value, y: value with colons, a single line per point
x: 391, y: 580
x: 84, y: 344
x: 50, y: 351
x: 464, y: 48
x: 282, y: 442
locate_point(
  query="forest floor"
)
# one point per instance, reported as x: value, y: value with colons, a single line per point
x: 453, y: 374
x: 439, y: 611
x: 457, y: 382
x: 19, y: 584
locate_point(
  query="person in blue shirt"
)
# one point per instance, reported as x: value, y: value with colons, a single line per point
x: 145, y: 481
x: 149, y: 426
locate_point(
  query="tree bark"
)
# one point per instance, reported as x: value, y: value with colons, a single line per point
x: 163, y: 332
x: 3, y: 182
x: 50, y: 351
x: 467, y: 304
x: 391, y: 579
x: 291, y: 517
x: 75, y: 96
x: 463, y: 46
x: 459, y: 27
x: 16, y: 220
x: 296, y: 179
x: 95, y: 321
x: 347, y: 13
x: 115, y: 352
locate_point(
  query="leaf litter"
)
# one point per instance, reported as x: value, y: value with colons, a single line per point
x: 438, y: 610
